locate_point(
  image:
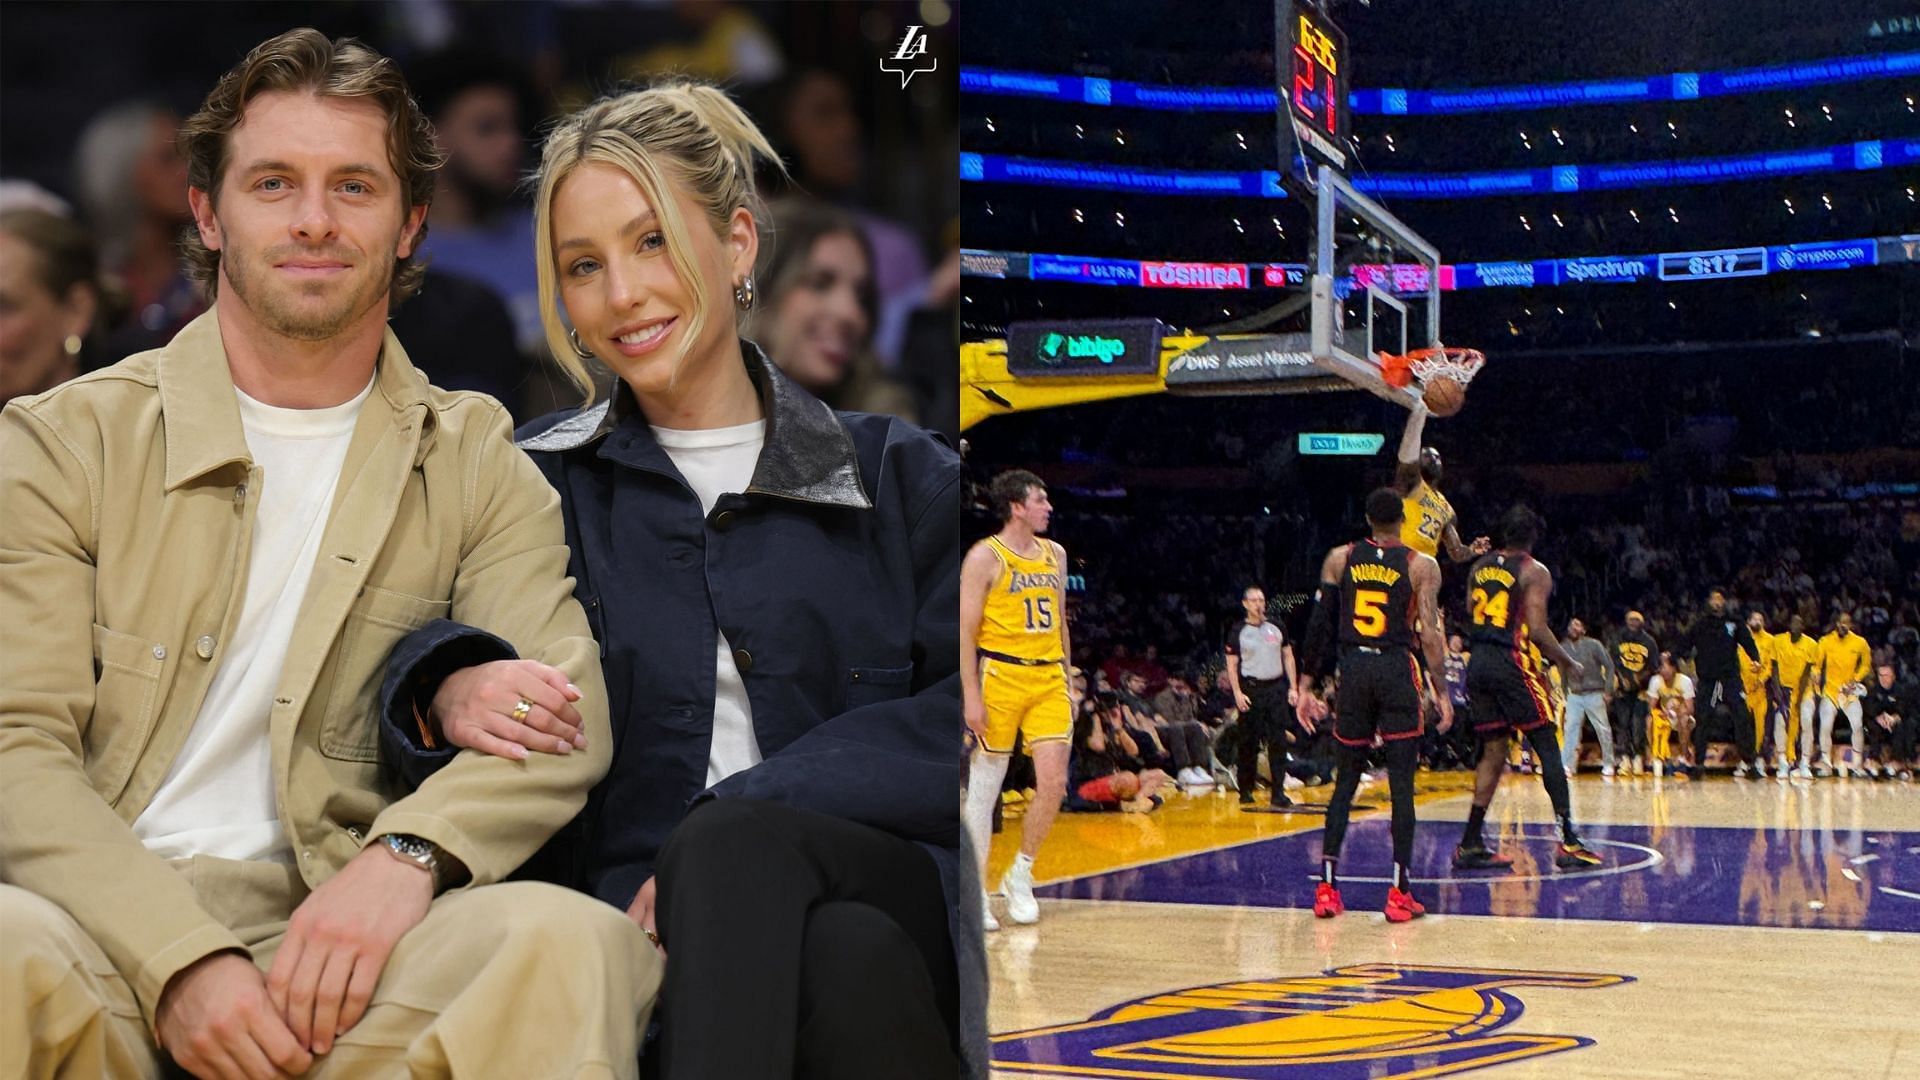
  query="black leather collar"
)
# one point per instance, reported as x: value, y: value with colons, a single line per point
x: 808, y: 456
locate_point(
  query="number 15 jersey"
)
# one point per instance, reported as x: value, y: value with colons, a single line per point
x: 1377, y: 597
x: 1019, y: 619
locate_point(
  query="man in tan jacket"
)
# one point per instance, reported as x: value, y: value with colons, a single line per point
x: 206, y: 553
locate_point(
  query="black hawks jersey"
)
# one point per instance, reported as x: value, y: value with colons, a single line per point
x: 1495, y: 616
x: 1377, y: 597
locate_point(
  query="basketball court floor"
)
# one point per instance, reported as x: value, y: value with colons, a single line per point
x: 1739, y: 929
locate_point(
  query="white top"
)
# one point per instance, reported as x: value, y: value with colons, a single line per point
x: 715, y: 462
x: 218, y: 798
x: 1681, y: 683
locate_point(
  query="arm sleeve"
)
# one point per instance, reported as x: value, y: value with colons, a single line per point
x: 1317, y: 650
x: 417, y: 666
x: 492, y: 813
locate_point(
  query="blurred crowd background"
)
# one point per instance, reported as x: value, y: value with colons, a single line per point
x: 859, y: 286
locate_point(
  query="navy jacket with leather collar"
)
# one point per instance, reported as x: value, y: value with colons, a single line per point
x: 835, y: 577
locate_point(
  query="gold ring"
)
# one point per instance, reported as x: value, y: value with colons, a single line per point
x: 651, y: 936
x: 521, y: 710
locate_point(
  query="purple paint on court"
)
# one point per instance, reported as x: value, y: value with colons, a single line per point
x: 1673, y: 874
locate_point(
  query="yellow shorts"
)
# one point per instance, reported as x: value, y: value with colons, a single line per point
x: 1023, y: 699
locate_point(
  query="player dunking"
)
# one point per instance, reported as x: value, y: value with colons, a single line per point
x: 1507, y: 593
x: 1376, y: 592
x: 1013, y: 674
x: 1429, y: 517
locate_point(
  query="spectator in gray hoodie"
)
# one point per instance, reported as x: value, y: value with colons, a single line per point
x: 1587, y: 697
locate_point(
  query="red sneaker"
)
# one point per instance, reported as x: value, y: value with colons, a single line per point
x: 1327, y: 902
x: 1402, y: 907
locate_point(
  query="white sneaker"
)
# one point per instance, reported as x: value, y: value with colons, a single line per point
x: 1781, y: 768
x: 1873, y: 771
x: 1636, y: 766
x: 1760, y: 767
x: 1657, y: 768
x: 1292, y: 783
x: 1804, y: 772
x: 1018, y: 887
x: 986, y: 911
x: 1740, y: 771
x: 1606, y: 772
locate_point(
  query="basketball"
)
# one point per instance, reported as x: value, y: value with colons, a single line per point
x: 1444, y: 396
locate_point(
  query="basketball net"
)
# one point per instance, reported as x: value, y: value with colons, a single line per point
x: 1460, y: 365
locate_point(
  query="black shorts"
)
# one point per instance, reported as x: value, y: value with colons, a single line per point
x: 1507, y: 694
x: 1379, y: 695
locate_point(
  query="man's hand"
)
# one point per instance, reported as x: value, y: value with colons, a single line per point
x: 975, y: 713
x: 338, y: 942
x: 1446, y: 714
x: 1241, y: 701
x: 217, y: 1020
x: 1293, y: 697
x: 641, y: 912
x: 474, y: 708
x: 1575, y: 669
x: 1480, y: 546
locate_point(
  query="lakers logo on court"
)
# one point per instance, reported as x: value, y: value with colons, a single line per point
x: 1363, y: 1021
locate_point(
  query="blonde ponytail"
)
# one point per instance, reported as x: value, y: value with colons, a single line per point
x: 680, y: 136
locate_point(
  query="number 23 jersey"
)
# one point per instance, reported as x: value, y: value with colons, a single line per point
x: 1019, y: 619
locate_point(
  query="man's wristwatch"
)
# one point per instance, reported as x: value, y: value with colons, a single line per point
x: 422, y: 853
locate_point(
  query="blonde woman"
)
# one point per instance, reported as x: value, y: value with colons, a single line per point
x: 774, y: 587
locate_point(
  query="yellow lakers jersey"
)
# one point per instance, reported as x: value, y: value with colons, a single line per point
x: 1022, y: 609
x: 1795, y: 657
x: 1842, y: 662
x: 1754, y: 676
x: 1427, y: 513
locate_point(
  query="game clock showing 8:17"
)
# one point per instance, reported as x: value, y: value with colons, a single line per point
x: 1313, y: 80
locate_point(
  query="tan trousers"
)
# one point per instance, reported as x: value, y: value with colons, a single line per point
x: 518, y: 979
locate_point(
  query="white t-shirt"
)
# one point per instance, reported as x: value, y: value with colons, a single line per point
x: 218, y: 799
x: 1658, y: 685
x: 716, y: 461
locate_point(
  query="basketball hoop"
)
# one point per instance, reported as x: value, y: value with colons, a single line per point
x: 1460, y: 365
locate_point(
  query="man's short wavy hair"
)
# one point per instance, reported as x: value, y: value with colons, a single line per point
x: 305, y: 60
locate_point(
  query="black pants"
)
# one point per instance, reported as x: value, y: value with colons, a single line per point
x: 1186, y: 744
x: 802, y: 945
x: 1713, y: 716
x: 1265, y: 721
x: 1893, y: 748
x: 1629, y: 724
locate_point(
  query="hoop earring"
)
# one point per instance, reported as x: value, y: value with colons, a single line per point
x: 579, y: 350
x: 743, y: 293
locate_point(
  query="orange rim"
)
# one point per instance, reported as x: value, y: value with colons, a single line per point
x: 1397, y: 368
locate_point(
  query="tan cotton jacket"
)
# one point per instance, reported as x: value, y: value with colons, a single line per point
x: 125, y: 518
